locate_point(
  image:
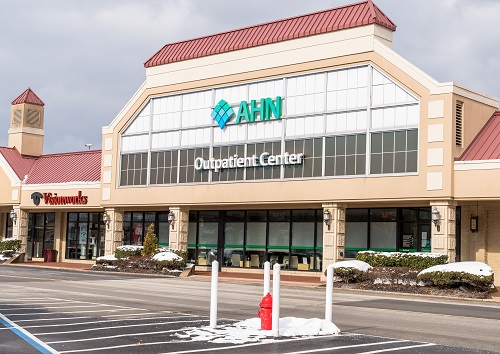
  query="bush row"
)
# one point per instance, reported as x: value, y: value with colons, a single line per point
x: 456, y: 279
x: 139, y: 263
x: 383, y: 275
x: 398, y: 259
x: 10, y: 244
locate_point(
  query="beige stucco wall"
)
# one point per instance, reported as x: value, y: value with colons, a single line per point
x: 484, y: 245
x: 5, y: 189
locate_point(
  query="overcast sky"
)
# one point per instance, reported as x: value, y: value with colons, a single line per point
x: 84, y: 58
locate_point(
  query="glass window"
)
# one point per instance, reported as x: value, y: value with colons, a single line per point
x: 187, y: 172
x: 133, y: 169
x: 394, y: 152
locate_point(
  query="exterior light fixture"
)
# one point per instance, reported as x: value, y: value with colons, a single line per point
x: 436, y: 217
x: 171, y: 218
x: 327, y: 218
x: 473, y: 223
x: 13, y: 216
x: 106, y: 219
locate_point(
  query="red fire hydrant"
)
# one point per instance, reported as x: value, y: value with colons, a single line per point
x: 266, y: 313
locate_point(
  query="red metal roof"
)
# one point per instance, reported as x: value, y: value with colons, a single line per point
x: 349, y: 16
x: 28, y: 96
x: 486, y: 144
x: 83, y: 166
x: 20, y: 164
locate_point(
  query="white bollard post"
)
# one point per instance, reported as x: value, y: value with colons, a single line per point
x: 329, y: 293
x: 276, y: 300
x: 213, y: 294
x: 267, y: 277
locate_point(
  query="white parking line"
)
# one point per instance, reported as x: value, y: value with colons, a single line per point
x: 53, y: 307
x: 67, y: 312
x: 121, y: 346
x: 399, y: 348
x: 111, y: 327
x: 121, y: 335
x: 105, y: 321
x: 285, y: 341
x: 52, y: 319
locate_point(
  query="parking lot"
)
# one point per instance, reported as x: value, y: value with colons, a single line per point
x: 53, y: 325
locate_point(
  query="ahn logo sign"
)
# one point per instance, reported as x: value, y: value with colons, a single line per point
x: 263, y: 109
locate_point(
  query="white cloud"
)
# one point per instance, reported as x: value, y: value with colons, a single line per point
x: 85, y: 58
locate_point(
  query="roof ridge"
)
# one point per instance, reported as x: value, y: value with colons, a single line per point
x: 261, y: 24
x: 252, y: 36
x: 72, y: 153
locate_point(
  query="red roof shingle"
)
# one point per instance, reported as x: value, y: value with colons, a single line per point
x: 28, y: 96
x: 349, y: 16
x: 486, y: 144
x: 19, y: 163
x: 83, y: 166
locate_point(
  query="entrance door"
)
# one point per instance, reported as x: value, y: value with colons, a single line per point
x: 424, y: 231
x: 40, y: 234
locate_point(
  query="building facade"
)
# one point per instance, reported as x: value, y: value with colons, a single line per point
x: 300, y: 141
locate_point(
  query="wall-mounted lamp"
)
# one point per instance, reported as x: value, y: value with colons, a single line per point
x: 327, y: 218
x: 436, y: 217
x: 13, y: 216
x: 106, y: 219
x: 473, y: 223
x: 171, y: 218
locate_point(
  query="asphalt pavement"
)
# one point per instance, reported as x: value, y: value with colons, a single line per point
x: 52, y: 310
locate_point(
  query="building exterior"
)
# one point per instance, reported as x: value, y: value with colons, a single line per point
x: 300, y: 141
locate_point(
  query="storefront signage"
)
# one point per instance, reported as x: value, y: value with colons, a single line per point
x: 264, y: 159
x: 265, y: 108
x: 54, y: 199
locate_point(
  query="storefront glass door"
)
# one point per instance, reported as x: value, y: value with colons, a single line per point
x: 40, y: 234
x: 85, y: 236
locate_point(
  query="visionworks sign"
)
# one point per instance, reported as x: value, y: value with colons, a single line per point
x: 263, y: 109
x: 54, y: 199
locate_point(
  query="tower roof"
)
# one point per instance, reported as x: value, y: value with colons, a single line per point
x: 348, y: 16
x: 28, y: 96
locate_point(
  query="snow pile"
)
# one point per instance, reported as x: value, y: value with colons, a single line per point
x: 249, y: 331
x: 475, y: 268
x: 360, y: 265
x: 110, y: 257
x: 392, y: 254
x: 129, y: 248
x: 167, y: 256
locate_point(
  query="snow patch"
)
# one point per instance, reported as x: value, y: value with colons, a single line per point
x: 110, y: 257
x: 475, y: 268
x: 249, y: 331
x: 360, y: 265
x: 167, y: 256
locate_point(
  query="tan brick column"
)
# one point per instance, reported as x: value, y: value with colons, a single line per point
x: 20, y: 229
x: 114, y: 230
x: 334, y: 234
x: 444, y: 240
x: 178, y: 234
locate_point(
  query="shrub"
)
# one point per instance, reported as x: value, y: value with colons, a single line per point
x: 128, y: 251
x: 150, y: 242
x: 455, y: 279
x: 399, y: 259
x: 348, y: 274
x: 10, y: 244
x: 392, y: 276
